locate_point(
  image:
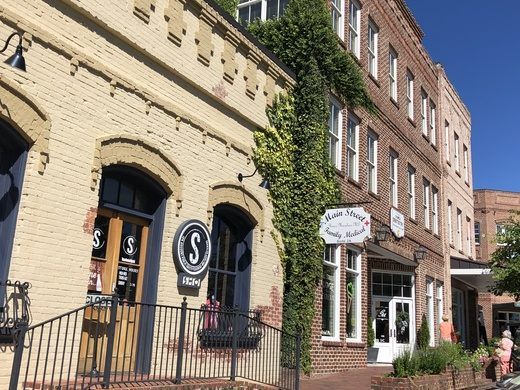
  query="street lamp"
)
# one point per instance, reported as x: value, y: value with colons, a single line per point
x: 16, y: 60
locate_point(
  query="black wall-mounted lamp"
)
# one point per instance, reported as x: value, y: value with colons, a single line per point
x: 264, y: 184
x: 16, y: 60
x: 420, y: 254
x: 382, y: 233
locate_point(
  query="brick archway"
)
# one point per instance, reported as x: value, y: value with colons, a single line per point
x: 27, y: 117
x: 136, y: 152
x: 237, y: 195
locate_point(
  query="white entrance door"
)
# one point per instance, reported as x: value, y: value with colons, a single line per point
x: 394, y: 326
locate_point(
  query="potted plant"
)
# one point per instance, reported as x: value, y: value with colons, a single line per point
x: 371, y: 350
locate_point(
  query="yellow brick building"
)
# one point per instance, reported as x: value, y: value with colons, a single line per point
x: 158, y: 99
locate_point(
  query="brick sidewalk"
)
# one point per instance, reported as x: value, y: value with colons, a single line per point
x: 358, y: 379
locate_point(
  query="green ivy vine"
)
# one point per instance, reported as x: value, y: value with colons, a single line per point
x: 292, y: 152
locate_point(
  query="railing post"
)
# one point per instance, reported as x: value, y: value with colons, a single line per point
x: 180, y: 345
x: 234, y: 343
x: 298, y: 353
x: 18, y: 353
x: 114, y: 304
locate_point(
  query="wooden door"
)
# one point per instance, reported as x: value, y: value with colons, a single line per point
x: 117, y: 266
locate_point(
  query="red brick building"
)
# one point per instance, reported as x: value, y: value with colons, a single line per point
x: 492, y: 211
x: 389, y: 164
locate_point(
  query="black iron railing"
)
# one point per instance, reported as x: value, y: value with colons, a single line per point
x: 14, y: 308
x: 116, y: 342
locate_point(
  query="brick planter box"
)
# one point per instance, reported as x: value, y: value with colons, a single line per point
x: 450, y: 380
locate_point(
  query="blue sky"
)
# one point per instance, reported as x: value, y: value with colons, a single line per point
x: 478, y: 42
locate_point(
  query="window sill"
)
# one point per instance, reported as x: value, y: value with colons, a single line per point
x: 340, y: 173
x: 448, y: 162
x: 427, y: 229
x: 412, y: 122
x: 458, y: 173
x: 354, y: 182
x: 435, y: 147
x: 452, y: 246
x: 374, y: 195
x: 331, y: 343
x: 467, y: 183
x: 355, y: 344
x: 437, y: 235
x: 394, y: 102
x: 413, y: 220
x: 374, y: 80
x: 425, y: 136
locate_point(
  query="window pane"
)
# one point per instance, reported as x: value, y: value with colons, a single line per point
x: 328, y: 301
x: 110, y: 190
x: 377, y: 277
x: 352, y: 309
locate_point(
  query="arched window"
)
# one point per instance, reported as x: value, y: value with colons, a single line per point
x: 230, y: 265
x: 13, y: 155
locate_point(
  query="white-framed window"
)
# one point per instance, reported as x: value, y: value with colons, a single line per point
x: 459, y: 229
x: 409, y: 94
x: 465, y: 163
x: 354, y: 26
x: 433, y: 130
x: 393, y: 164
x: 426, y: 203
x: 373, y: 40
x: 469, y: 250
x: 330, y: 293
x: 353, y: 291
x: 447, y: 141
x: 411, y: 191
x: 335, y: 126
x: 372, y: 162
x: 430, y: 310
x: 337, y: 14
x: 456, y: 151
x: 477, y: 233
x: 392, y: 73
x: 424, y: 114
x: 250, y: 10
x: 352, y: 148
x: 450, y: 224
x: 435, y: 210
x: 439, y: 297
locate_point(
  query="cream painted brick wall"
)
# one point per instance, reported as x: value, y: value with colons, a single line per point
x: 51, y: 248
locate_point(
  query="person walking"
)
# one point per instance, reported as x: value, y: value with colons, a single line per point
x: 506, y: 346
x: 447, y: 332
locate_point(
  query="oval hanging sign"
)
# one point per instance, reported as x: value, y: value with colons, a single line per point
x: 345, y: 226
x: 192, y: 252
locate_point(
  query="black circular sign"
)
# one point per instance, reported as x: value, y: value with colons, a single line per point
x: 192, y: 247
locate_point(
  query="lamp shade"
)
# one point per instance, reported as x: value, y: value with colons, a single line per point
x: 16, y: 60
x: 265, y: 184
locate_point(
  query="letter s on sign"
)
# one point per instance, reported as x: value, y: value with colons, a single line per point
x: 194, y: 258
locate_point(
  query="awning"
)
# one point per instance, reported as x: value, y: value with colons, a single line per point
x: 473, y: 273
x: 378, y: 251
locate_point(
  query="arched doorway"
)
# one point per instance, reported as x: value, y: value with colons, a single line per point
x: 126, y: 244
x: 230, y: 266
x: 13, y: 156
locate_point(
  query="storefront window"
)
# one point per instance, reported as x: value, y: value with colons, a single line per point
x: 508, y: 321
x: 330, y: 286
x: 13, y: 152
x: 230, y: 263
x: 353, y: 288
